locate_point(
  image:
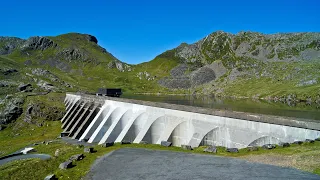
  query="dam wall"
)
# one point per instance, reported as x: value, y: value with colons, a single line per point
x: 99, y: 119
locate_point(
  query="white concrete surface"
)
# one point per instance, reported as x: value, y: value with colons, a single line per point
x: 121, y: 121
x: 28, y: 150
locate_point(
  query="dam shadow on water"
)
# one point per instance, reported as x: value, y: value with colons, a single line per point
x: 298, y: 110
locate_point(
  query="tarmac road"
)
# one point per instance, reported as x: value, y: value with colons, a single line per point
x: 129, y: 163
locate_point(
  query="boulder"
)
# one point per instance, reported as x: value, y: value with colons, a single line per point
x: 166, y: 143
x: 27, y: 62
x: 50, y: 177
x: 66, y: 165
x: 84, y: 140
x: 232, y: 150
x: 76, y: 157
x: 269, y: 146
x: 186, y: 147
x: 284, y: 145
x: 125, y: 142
x: 252, y: 148
x: 57, y: 153
x: 211, y: 149
x: 25, y: 87
x: 309, y: 141
x: 298, y: 142
x: 88, y: 150
x: 107, y: 144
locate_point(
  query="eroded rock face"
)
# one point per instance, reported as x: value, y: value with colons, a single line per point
x: 25, y: 87
x: 12, y: 111
x: 202, y: 76
x: 40, y: 110
x: 179, y: 70
x: 9, y: 44
x: 275, y: 47
x: 92, y: 38
x: 38, y: 43
x: 122, y: 67
x: 46, y: 86
x: 63, y: 66
x: 218, y: 68
x: 73, y: 54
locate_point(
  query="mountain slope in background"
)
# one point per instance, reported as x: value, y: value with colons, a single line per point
x: 246, y: 64
x: 249, y: 64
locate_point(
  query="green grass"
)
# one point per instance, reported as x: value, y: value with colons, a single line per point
x: 91, y: 73
x: 19, y: 134
x: 38, y: 169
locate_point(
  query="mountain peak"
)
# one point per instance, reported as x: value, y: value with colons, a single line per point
x: 80, y: 36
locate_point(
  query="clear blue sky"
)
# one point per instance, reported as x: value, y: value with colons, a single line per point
x: 136, y: 31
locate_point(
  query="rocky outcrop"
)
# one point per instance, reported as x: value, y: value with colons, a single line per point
x: 11, y: 111
x: 145, y: 75
x: 44, y: 73
x: 73, y: 54
x: 56, y: 63
x: 122, y: 67
x: 91, y: 38
x: 25, y: 88
x: 45, y: 85
x: 185, y: 76
x: 275, y: 47
x: 9, y: 44
x: 175, y: 83
x: 8, y: 71
x: 38, y: 43
x: 41, y: 110
x: 202, y: 75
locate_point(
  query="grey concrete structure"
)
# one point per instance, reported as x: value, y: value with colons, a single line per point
x: 133, y: 120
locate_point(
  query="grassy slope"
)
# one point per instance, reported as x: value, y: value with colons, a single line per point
x: 31, y: 133
x: 284, y: 81
x: 305, y: 156
x: 89, y: 76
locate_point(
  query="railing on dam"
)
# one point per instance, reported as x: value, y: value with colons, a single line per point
x: 104, y: 119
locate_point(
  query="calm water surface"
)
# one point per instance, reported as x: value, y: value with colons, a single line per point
x: 301, y: 110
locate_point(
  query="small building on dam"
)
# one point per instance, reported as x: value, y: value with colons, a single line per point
x: 100, y: 119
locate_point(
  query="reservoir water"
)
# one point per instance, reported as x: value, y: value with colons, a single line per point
x: 300, y: 110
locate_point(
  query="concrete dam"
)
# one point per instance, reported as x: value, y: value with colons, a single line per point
x: 100, y: 119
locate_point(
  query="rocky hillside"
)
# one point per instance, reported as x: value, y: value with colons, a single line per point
x: 226, y: 64
x: 278, y: 66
